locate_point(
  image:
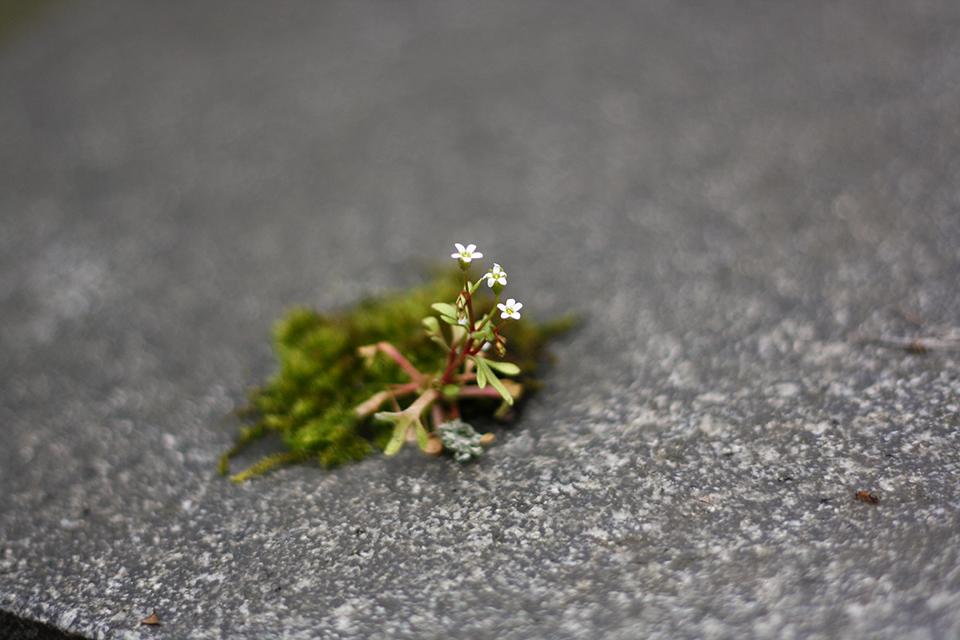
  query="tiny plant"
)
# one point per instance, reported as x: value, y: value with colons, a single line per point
x: 383, y: 374
x: 467, y: 371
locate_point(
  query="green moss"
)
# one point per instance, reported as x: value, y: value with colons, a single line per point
x: 310, y: 401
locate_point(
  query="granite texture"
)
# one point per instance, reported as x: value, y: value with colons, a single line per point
x: 729, y: 192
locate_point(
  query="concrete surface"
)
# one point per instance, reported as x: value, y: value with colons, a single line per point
x: 729, y: 191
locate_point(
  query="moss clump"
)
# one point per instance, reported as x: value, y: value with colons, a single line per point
x: 310, y: 402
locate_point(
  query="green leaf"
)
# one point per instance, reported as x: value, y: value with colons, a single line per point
x: 432, y: 325
x: 457, y: 333
x: 403, y: 420
x: 481, y: 373
x: 450, y: 391
x: 406, y: 418
x: 483, y: 369
x: 502, y: 390
x: 445, y: 309
x: 396, y: 440
x: 506, y: 368
x: 422, y: 436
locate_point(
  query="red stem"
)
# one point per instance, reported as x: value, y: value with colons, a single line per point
x: 405, y: 364
x: 477, y: 392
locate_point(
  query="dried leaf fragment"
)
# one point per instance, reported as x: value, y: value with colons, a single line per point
x: 153, y: 620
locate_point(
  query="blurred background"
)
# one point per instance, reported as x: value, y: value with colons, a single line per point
x: 725, y: 190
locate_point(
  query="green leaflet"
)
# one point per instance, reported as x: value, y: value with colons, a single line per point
x: 485, y: 375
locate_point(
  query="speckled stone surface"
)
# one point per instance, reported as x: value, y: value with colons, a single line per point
x: 729, y: 192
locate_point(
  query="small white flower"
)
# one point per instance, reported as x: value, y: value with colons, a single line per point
x: 496, y: 276
x: 466, y: 254
x: 510, y: 310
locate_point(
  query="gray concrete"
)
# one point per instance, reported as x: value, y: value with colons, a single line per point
x: 728, y: 191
